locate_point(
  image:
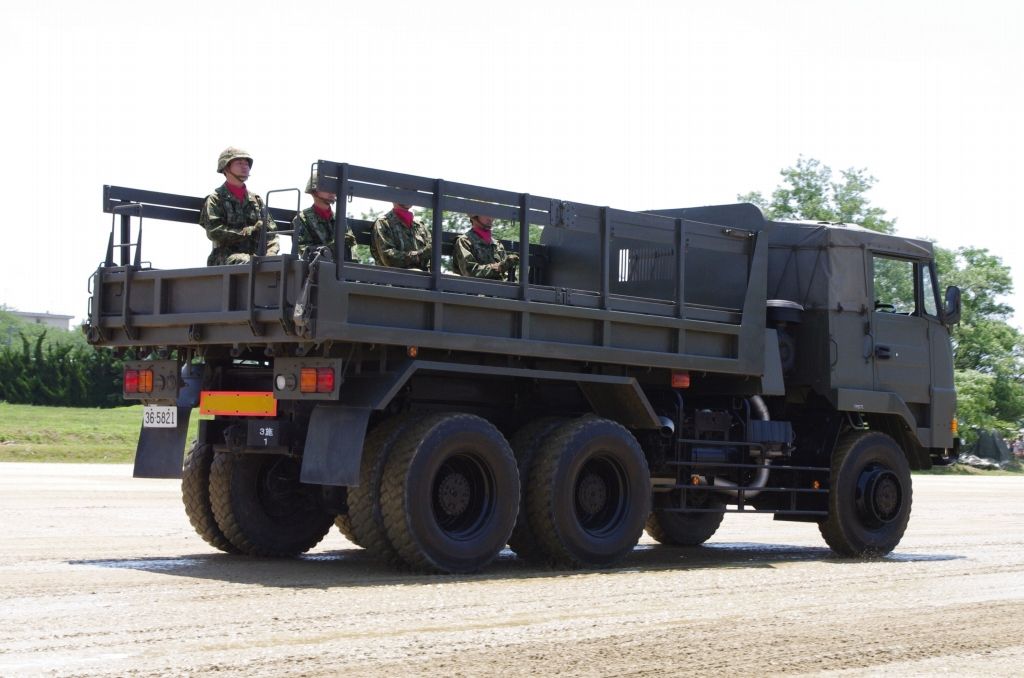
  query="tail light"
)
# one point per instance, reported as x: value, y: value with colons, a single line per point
x: 308, y: 378
x: 138, y: 381
x: 316, y: 380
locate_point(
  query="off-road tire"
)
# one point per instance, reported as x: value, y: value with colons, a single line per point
x: 870, y: 496
x: 263, y: 509
x: 364, y: 509
x: 589, y: 493
x: 195, y: 494
x: 525, y: 443
x: 682, y: 529
x: 344, y: 524
x: 450, y: 493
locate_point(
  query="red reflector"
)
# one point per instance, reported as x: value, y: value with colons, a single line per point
x: 145, y: 381
x: 324, y: 379
x: 680, y: 380
x: 131, y: 381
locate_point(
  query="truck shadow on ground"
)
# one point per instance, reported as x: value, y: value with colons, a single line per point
x: 354, y: 567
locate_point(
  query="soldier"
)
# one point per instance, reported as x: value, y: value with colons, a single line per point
x: 233, y: 217
x: 401, y: 241
x: 315, y: 226
x: 478, y: 255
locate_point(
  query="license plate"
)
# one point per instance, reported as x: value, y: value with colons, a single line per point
x: 160, y: 416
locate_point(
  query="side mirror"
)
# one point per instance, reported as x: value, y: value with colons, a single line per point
x: 951, y: 312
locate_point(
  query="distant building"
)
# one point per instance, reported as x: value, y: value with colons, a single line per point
x: 48, y: 319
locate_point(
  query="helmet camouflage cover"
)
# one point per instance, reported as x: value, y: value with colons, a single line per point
x: 228, y: 155
x: 311, y: 183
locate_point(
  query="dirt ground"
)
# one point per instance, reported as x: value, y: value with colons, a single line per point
x: 102, y: 575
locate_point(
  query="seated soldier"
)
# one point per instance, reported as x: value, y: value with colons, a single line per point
x: 314, y: 226
x: 233, y: 217
x: 478, y: 255
x: 401, y: 241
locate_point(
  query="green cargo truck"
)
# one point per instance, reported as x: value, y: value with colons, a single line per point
x: 641, y: 370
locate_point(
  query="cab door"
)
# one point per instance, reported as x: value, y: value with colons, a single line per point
x: 901, y: 323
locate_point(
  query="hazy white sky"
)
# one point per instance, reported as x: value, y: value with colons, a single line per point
x: 637, y: 105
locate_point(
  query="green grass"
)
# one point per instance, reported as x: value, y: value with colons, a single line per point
x: 70, y: 434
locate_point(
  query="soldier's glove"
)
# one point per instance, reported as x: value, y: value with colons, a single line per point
x: 252, y: 230
x: 511, y: 262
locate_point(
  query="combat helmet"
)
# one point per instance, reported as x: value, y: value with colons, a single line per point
x: 311, y: 183
x: 231, y: 153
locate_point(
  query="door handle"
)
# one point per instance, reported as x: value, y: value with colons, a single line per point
x: 883, y: 352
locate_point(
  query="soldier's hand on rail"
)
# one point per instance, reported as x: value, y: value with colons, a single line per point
x: 251, y: 230
x: 424, y: 255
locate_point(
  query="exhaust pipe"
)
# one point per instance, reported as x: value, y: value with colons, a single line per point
x: 732, y: 489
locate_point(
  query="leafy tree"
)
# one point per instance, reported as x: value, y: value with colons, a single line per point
x: 809, y: 193
x: 989, y: 352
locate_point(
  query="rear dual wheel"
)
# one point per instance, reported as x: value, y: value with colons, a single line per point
x: 195, y: 494
x: 677, y: 528
x: 525, y: 443
x: 364, y: 510
x: 261, y: 506
x: 344, y: 524
x: 449, y: 493
x: 589, y: 493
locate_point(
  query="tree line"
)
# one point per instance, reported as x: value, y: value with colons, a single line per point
x: 50, y: 366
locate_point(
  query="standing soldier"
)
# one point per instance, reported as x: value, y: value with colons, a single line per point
x: 478, y: 255
x: 233, y: 217
x: 315, y: 226
x: 401, y: 241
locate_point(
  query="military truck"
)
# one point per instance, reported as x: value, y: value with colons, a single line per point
x: 644, y: 370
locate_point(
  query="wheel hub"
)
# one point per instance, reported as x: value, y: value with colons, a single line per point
x: 279, y: 490
x: 453, y: 493
x: 592, y: 493
x: 879, y: 496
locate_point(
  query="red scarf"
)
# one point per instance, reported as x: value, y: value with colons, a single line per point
x: 484, y: 234
x: 404, y: 215
x: 323, y: 212
x: 237, y: 191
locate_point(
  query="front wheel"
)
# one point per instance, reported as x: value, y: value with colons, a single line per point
x: 870, y: 496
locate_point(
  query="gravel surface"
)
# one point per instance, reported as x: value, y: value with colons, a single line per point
x: 101, y: 575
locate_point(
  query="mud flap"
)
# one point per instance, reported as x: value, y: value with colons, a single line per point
x: 161, y: 451
x: 334, y: 445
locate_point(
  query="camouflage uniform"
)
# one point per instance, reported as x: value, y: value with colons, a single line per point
x: 395, y: 244
x: 311, y: 230
x: 234, y: 227
x: 477, y: 259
